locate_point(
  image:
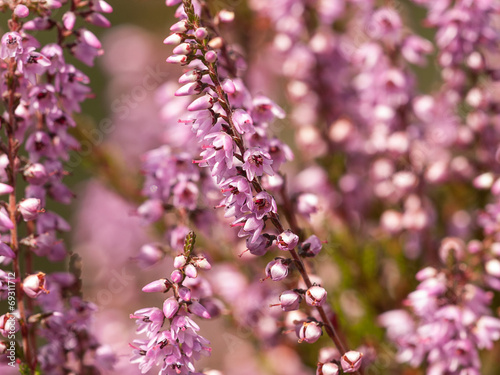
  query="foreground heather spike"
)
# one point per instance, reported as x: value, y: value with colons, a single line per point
x: 41, y: 92
x: 172, y: 341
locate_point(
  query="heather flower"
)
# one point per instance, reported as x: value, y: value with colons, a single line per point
x: 309, y: 331
x: 34, y: 285
x: 257, y: 162
x: 290, y: 300
x: 11, y: 45
x: 351, y: 361
x: 287, y: 240
x: 315, y: 296
x: 277, y: 269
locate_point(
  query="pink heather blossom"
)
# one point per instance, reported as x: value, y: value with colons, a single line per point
x: 351, y: 361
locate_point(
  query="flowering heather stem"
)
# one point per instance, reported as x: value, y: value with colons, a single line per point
x: 12, y: 148
x: 236, y: 135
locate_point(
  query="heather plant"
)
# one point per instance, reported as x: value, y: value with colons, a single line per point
x: 317, y: 190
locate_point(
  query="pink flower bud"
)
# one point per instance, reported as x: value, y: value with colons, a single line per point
x: 69, y: 19
x: 170, y: 307
x: 308, y: 331
x: 5, y: 222
x: 30, y: 208
x: 189, y: 89
x: 34, y: 285
x: 315, y: 296
x: 327, y: 369
x: 176, y: 276
x: 243, y: 122
x: 290, y: 300
x: 198, y: 309
x: 226, y: 16
x: 149, y: 255
x: 185, y: 293
x: 173, y: 39
x: 277, y: 269
x: 201, y: 33
x: 202, y: 263
x: 205, y: 102
x: 190, y: 76
x: 228, y: 86
x: 287, y: 240
x: 21, y: 11
x: 161, y: 285
x: 351, y: 361
x: 102, y: 6
x: 191, y: 271
x: 311, y: 247
x: 6, y: 251
x: 35, y: 174
x: 89, y: 38
x: 180, y: 261
x: 211, y: 56
x: 179, y: 27
x: 5, y: 189
x: 98, y: 19
x: 8, y: 325
x: 183, y: 49
x: 177, y: 59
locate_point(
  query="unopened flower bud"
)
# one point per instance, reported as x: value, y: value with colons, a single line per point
x: 226, y: 16
x: 69, y: 19
x: 310, y: 247
x: 179, y: 27
x: 205, y: 102
x: 190, y: 76
x: 8, y: 325
x: 21, y: 11
x: 34, y: 285
x: 202, y: 263
x: 315, y: 296
x: 189, y: 89
x: 176, y: 276
x: 170, y: 307
x: 177, y: 59
x: 35, y: 174
x: 183, y: 49
x: 180, y: 261
x: 351, y: 361
x: 185, y: 293
x: 287, y: 240
x: 327, y: 369
x: 173, y: 39
x: 211, y: 56
x: 191, y: 271
x: 5, y: 189
x: 198, y: 309
x: 309, y: 331
x: 290, y: 300
x: 201, y: 33
x: 228, y: 86
x: 30, y: 208
x: 161, y: 285
x: 277, y: 269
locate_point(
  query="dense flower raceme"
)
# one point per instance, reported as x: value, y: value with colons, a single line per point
x: 172, y: 339
x: 41, y: 91
x: 232, y: 130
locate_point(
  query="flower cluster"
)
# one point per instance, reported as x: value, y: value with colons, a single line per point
x: 41, y: 90
x: 172, y: 339
x: 232, y: 129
